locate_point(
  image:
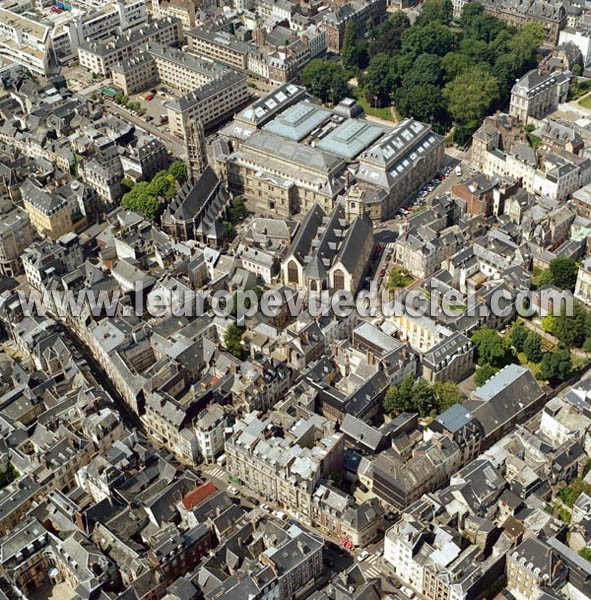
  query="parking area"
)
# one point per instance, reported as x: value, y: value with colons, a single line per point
x: 153, y: 106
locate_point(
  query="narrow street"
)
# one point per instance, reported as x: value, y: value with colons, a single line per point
x: 101, y: 379
x: 174, y: 144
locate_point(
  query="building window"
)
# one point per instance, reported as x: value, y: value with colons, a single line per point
x: 339, y: 280
x: 292, y: 272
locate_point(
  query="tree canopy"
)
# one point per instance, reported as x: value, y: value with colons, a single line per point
x: 490, y: 348
x: 436, y: 72
x: 325, y: 79
x: 418, y: 395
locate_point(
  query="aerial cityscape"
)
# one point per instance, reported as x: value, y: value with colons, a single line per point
x: 295, y: 299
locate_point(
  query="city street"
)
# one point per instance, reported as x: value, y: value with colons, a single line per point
x: 174, y: 144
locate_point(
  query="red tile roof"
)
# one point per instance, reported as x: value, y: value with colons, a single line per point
x: 198, y: 495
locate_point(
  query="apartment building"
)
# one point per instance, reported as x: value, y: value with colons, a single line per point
x: 438, y: 562
x: 183, y: 10
x: 400, y: 482
x: 100, y: 57
x: 550, y: 14
x: 160, y: 64
x: 113, y: 18
x: 335, y: 19
x: 532, y: 567
x: 536, y: 94
x: 285, y: 463
x: 583, y: 285
x: 219, y: 45
x: 452, y: 359
x: 104, y: 172
x: 25, y: 41
x: 50, y: 214
x: 135, y: 74
x: 211, y: 103
x: 557, y: 174
x: 16, y: 234
x: 209, y: 429
x: 145, y: 160
x: 168, y: 422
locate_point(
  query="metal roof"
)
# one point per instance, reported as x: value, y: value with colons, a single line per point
x: 351, y: 138
x: 298, y: 121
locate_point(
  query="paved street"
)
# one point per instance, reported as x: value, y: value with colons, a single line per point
x: 174, y: 144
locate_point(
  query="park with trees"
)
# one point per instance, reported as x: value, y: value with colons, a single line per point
x: 147, y: 197
x: 433, y: 70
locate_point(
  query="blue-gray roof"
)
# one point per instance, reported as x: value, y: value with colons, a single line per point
x: 298, y: 121
x: 499, y: 382
x: 454, y: 418
x: 351, y: 138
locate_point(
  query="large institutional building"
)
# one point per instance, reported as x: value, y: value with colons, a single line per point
x: 285, y: 154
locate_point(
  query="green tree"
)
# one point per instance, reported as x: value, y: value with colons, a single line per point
x: 532, y: 347
x: 426, y: 71
x: 237, y: 209
x: 471, y: 11
x: 484, y: 373
x: 388, y: 37
x: 159, y: 184
x: 455, y: 63
x: 391, y: 402
x: 573, y: 490
x: 425, y: 103
x: 348, y: 47
x: 377, y: 81
x: 178, y: 170
x: 490, y: 347
x: 139, y: 199
x: 440, y: 11
x: 525, y: 43
x: 325, y: 79
x: 563, y: 273
x: 447, y: 394
x: 569, y: 329
x: 430, y: 39
x: 471, y: 94
x: 518, y: 335
x: 233, y: 341
x: 556, y: 366
x: 423, y: 397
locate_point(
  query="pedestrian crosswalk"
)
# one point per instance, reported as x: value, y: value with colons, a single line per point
x: 373, y: 567
x: 216, y: 473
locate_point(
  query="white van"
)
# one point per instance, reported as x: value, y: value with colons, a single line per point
x: 459, y: 171
x: 407, y: 592
x: 221, y: 460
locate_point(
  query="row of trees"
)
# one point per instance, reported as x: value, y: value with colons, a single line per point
x: 433, y: 72
x: 493, y: 352
x: 418, y: 395
x: 144, y: 197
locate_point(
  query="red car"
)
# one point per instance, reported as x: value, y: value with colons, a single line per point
x: 149, y: 97
x: 382, y: 272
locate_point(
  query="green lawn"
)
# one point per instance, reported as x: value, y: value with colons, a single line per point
x: 382, y: 113
x: 586, y: 101
x: 398, y: 278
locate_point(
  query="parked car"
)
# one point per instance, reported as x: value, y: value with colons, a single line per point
x: 407, y: 592
x: 266, y: 507
x: 149, y: 97
x: 233, y: 490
